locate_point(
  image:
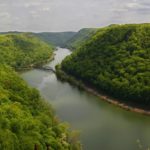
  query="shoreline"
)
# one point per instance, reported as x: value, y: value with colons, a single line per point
x: 35, y: 66
x: 72, y: 80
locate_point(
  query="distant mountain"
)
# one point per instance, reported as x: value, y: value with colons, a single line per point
x: 71, y: 40
x: 55, y: 38
x: 52, y: 38
x: 80, y: 37
x: 23, y: 50
x: 11, y: 32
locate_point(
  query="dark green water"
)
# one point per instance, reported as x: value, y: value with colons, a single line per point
x: 102, y: 125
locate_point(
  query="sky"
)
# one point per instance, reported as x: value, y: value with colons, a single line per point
x: 69, y: 15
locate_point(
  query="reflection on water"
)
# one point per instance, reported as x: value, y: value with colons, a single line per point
x: 103, y: 126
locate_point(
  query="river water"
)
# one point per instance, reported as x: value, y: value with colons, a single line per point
x: 102, y: 125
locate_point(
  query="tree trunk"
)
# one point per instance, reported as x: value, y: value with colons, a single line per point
x: 36, y: 147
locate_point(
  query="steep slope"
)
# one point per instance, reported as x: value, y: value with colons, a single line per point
x: 80, y: 37
x: 115, y: 60
x: 27, y: 122
x: 23, y: 50
x: 55, y: 38
x: 51, y: 38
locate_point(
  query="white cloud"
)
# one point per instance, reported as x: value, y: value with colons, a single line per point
x: 31, y: 4
x: 34, y: 14
x: 2, y: 5
x: 60, y: 15
x: 133, y: 5
x: 118, y: 10
x: 45, y: 9
x: 5, y: 15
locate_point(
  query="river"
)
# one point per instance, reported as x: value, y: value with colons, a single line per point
x: 102, y: 125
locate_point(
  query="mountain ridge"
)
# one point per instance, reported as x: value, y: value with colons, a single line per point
x: 115, y: 60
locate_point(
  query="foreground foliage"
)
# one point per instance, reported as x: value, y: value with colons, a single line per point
x: 115, y: 60
x: 27, y: 122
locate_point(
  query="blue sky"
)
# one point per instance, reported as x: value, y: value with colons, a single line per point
x: 70, y: 15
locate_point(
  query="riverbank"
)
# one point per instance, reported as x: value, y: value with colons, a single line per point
x: 31, y: 66
x: 72, y: 80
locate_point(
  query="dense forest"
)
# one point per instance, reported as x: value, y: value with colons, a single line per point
x: 23, y: 50
x: 70, y: 40
x: 116, y: 60
x: 55, y: 38
x: 52, y: 38
x: 80, y: 37
x: 27, y: 122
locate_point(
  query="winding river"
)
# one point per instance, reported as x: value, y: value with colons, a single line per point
x: 102, y: 125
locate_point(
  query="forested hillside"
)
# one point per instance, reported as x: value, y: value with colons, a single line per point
x: 80, y: 37
x: 51, y: 38
x: 23, y: 50
x: 55, y: 38
x: 27, y: 122
x: 116, y: 60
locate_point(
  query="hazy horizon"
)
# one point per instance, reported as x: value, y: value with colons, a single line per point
x: 70, y: 15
